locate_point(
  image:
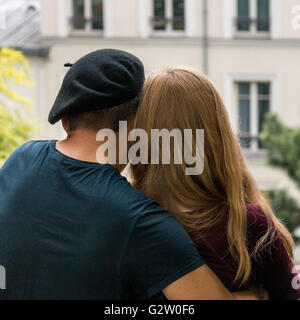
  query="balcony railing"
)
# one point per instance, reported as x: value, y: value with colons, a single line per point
x: 257, y: 25
x: 162, y: 23
x: 250, y: 141
x: 80, y: 23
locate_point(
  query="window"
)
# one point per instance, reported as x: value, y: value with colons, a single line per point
x: 87, y: 15
x: 253, y: 16
x: 168, y: 15
x: 253, y: 104
x: 244, y: 113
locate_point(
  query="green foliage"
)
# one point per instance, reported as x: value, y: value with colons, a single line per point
x: 285, y: 208
x: 16, y: 125
x: 14, y: 130
x: 283, y: 146
x: 14, y: 69
x: 283, y: 150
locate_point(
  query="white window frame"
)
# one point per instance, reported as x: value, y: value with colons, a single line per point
x: 88, y: 30
x: 169, y: 15
x: 145, y: 14
x: 253, y: 27
x: 229, y: 9
x: 231, y: 98
x: 253, y: 99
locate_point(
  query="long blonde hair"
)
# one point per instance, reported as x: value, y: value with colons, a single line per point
x: 180, y: 97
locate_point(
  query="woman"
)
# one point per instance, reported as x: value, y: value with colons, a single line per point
x: 226, y: 215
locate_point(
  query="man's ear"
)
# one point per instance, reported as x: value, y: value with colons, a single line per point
x: 65, y: 123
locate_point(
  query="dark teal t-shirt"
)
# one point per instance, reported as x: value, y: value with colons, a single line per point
x: 71, y: 229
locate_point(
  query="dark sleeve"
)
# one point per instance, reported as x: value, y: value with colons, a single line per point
x: 276, y: 271
x: 158, y: 253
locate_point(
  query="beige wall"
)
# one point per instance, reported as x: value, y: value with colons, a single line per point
x: 283, y: 62
x: 48, y: 17
x: 196, y: 15
x: 215, y: 18
x: 287, y: 30
x: 125, y: 18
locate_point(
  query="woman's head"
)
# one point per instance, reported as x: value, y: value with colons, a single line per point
x: 185, y: 99
x: 182, y: 98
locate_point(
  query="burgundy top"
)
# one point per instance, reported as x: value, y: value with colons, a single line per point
x: 274, y: 269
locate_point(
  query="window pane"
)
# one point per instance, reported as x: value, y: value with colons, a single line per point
x: 159, y: 15
x: 244, y: 88
x: 263, y: 105
x: 244, y: 109
x: 263, y: 13
x: 97, y: 13
x: 178, y: 14
x: 78, y: 14
x: 263, y: 108
x: 264, y: 88
x: 243, y: 23
x: 244, y: 113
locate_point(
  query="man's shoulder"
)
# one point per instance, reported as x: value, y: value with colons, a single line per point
x: 30, y: 146
x: 26, y: 151
x: 34, y: 144
x: 136, y: 203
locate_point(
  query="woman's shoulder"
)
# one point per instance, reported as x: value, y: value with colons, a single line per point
x: 258, y: 224
x: 256, y: 217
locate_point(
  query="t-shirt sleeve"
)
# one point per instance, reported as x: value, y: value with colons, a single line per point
x: 158, y: 253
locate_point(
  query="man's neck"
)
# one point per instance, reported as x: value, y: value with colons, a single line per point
x: 82, y: 145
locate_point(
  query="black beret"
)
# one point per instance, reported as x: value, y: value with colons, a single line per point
x: 100, y: 80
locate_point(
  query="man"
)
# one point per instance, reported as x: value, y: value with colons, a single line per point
x: 72, y: 228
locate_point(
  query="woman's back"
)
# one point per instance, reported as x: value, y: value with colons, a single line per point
x: 272, y: 268
x: 182, y: 98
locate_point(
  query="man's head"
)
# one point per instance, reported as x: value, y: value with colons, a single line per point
x: 103, y: 118
x: 100, y: 89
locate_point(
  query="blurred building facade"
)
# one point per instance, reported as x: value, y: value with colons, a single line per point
x: 20, y: 29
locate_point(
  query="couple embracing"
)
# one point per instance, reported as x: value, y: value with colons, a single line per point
x: 72, y: 227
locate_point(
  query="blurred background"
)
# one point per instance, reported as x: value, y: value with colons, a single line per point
x: 249, y: 49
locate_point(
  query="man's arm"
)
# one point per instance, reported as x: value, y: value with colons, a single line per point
x: 203, y: 284
x: 200, y: 284
x: 161, y: 257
